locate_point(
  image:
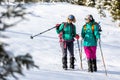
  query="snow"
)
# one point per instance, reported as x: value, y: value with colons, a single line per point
x: 45, y: 48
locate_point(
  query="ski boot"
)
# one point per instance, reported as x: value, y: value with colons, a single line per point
x: 64, y: 61
x: 90, y: 69
x: 72, y: 60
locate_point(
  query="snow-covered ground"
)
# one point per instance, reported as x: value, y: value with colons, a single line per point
x: 45, y: 48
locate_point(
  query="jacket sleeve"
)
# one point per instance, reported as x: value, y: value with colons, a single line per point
x: 96, y: 32
x: 60, y: 29
x: 83, y: 33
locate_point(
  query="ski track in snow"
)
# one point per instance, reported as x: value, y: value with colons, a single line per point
x: 46, y: 51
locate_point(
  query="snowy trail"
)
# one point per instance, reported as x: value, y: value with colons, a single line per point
x: 67, y: 75
x: 46, y: 51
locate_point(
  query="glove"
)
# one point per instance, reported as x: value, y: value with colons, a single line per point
x: 77, y: 36
x: 57, y: 26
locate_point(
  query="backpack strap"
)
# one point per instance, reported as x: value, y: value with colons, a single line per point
x: 73, y: 29
x: 61, y: 33
x: 93, y: 28
x: 85, y: 28
x: 65, y: 24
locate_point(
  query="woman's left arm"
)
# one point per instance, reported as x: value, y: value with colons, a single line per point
x: 96, y: 32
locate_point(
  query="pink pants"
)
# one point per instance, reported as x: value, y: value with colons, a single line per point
x: 90, y: 52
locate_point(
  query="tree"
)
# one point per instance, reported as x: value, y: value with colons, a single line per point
x: 90, y: 3
x: 10, y: 64
x: 79, y: 2
x: 115, y: 9
x: 100, y: 7
x: 0, y: 2
x: 113, y: 6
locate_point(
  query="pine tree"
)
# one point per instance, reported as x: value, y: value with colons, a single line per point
x: 80, y: 2
x: 90, y: 3
x: 10, y: 64
x: 115, y: 9
x: 100, y: 6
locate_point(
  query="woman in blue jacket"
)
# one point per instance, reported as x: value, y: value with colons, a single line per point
x: 90, y: 34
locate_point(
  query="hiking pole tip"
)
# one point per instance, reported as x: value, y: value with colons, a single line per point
x: 31, y: 37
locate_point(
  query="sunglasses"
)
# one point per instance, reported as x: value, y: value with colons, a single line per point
x: 71, y: 19
x: 86, y: 19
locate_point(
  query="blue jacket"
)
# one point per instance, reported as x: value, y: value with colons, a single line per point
x: 90, y: 37
x: 68, y: 32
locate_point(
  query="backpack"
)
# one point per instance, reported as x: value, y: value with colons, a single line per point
x: 98, y: 25
x: 61, y: 33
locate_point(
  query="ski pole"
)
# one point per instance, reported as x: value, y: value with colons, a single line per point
x: 80, y: 54
x: 41, y: 32
x: 103, y: 58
